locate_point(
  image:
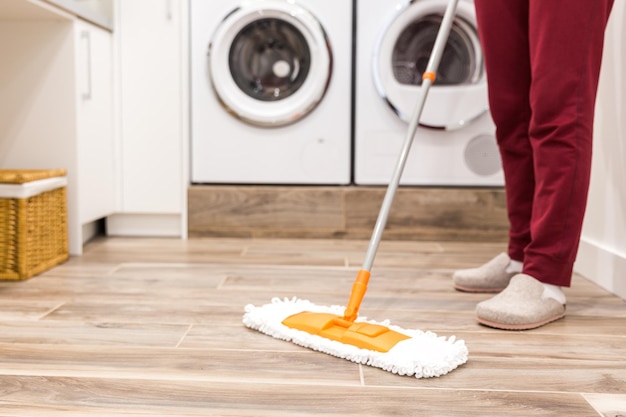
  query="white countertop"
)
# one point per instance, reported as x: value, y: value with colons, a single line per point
x: 97, y: 12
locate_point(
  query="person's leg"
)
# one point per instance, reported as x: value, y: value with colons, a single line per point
x: 566, y: 40
x: 503, y: 31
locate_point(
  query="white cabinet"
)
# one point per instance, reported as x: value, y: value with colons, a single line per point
x: 56, y: 102
x: 151, y: 49
x: 94, y: 118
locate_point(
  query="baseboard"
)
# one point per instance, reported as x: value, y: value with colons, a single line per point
x: 161, y: 225
x: 350, y: 212
x: 603, y: 266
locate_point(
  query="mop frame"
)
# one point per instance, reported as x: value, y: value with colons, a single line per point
x: 339, y: 331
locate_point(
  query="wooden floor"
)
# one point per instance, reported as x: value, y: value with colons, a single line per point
x: 152, y: 327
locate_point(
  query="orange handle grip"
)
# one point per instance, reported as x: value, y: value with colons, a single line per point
x: 430, y: 76
x: 356, y: 296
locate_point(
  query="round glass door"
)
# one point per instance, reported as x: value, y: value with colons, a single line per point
x: 460, y: 63
x: 270, y: 63
x: 269, y: 59
x: 459, y: 94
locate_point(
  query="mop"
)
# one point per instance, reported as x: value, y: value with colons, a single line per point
x: 339, y: 331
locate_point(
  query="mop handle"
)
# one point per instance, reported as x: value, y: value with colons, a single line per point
x: 428, y: 79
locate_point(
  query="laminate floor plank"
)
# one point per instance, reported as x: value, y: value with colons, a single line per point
x: 301, y: 366
x: 110, y: 397
x: 91, y: 333
x: 608, y: 405
x: 15, y: 309
x: 503, y: 374
x: 171, y: 312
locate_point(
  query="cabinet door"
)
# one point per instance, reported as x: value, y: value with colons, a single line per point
x: 151, y: 105
x: 95, y: 133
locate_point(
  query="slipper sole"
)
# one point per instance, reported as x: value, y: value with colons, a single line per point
x: 524, y: 326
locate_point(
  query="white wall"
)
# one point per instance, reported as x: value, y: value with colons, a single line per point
x: 602, y: 254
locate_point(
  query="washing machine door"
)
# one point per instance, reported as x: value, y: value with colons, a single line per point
x: 270, y: 62
x: 459, y: 94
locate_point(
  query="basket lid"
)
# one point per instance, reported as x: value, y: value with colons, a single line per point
x: 21, y: 176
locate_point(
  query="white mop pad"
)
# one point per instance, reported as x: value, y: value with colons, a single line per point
x: 424, y: 354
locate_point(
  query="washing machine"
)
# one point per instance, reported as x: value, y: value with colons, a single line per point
x: 271, y: 91
x: 455, y: 142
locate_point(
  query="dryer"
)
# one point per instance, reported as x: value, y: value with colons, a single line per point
x: 455, y: 144
x: 271, y: 91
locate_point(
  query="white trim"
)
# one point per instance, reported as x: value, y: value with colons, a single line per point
x: 602, y: 265
x: 185, y: 151
x: 31, y: 188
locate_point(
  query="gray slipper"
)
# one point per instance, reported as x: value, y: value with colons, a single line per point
x: 488, y: 278
x: 521, y: 306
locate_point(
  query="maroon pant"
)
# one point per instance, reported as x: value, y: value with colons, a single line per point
x: 542, y: 59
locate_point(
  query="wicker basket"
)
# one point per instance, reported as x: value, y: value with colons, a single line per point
x: 33, y: 222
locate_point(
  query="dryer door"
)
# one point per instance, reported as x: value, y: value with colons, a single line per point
x: 270, y: 62
x: 459, y: 93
